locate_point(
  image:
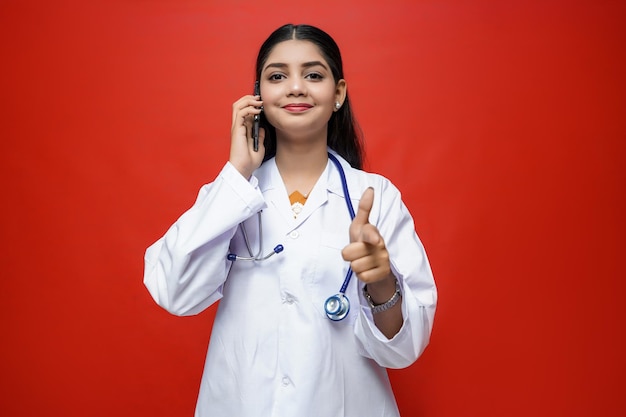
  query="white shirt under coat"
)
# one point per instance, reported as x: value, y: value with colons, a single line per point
x: 273, y: 351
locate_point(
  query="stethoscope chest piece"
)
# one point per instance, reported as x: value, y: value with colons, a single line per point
x: 337, y: 307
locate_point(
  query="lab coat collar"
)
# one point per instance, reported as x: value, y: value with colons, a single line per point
x: 333, y: 179
x: 275, y: 193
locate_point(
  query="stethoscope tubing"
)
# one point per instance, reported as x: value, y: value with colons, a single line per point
x: 258, y: 257
x: 346, y: 194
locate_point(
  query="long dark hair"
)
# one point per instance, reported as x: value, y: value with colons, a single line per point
x: 344, y: 135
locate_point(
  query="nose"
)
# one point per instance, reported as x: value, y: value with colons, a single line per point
x: 297, y: 87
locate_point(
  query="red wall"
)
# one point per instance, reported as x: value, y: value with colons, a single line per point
x: 502, y: 122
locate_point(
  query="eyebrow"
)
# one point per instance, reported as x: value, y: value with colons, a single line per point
x: 304, y: 65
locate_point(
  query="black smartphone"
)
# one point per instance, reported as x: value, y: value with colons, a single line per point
x: 257, y: 119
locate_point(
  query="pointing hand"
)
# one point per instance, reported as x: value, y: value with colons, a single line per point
x: 366, y: 252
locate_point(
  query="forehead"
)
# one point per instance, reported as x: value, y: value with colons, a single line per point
x: 295, y: 52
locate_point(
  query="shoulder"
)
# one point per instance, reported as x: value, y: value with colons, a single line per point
x: 267, y: 175
x: 361, y: 180
x: 386, y: 194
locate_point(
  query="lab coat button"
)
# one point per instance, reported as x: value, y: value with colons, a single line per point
x: 294, y: 234
x: 285, y: 381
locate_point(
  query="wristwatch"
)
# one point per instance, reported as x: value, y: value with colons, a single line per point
x: 377, y: 308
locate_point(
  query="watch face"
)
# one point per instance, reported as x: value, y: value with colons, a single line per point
x: 368, y: 297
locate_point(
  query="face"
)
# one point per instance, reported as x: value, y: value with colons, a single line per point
x: 298, y: 90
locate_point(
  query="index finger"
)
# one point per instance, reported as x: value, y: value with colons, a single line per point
x: 365, y: 206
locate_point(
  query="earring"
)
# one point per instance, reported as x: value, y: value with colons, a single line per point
x: 337, y: 105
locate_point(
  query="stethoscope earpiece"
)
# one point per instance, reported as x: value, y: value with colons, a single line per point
x: 233, y: 257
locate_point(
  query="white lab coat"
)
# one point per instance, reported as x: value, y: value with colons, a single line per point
x: 272, y: 351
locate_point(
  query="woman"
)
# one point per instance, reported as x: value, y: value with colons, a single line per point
x: 277, y: 346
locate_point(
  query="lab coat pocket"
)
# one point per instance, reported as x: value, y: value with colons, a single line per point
x: 330, y: 272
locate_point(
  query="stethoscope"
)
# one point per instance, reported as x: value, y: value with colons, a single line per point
x: 336, y: 306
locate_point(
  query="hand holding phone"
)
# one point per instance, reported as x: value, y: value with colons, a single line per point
x: 257, y: 118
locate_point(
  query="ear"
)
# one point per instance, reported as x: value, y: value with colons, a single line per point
x: 340, y: 91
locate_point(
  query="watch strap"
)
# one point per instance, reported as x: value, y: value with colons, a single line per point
x: 378, y: 308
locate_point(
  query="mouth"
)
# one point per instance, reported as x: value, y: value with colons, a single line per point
x: 297, y: 107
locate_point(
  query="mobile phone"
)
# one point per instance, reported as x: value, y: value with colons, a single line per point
x: 257, y: 119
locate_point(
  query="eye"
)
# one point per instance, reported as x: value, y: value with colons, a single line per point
x: 276, y: 76
x: 315, y: 76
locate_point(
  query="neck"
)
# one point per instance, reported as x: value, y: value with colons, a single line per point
x: 300, y: 165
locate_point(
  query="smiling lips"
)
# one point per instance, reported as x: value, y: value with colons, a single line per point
x: 297, y: 107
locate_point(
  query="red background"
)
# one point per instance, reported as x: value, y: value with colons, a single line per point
x: 501, y: 122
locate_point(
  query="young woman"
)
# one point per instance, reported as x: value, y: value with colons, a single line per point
x: 295, y: 334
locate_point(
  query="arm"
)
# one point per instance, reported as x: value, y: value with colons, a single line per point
x: 185, y: 269
x: 395, y: 338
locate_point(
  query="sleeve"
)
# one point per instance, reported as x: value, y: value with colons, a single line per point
x: 410, y: 265
x: 186, y: 268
